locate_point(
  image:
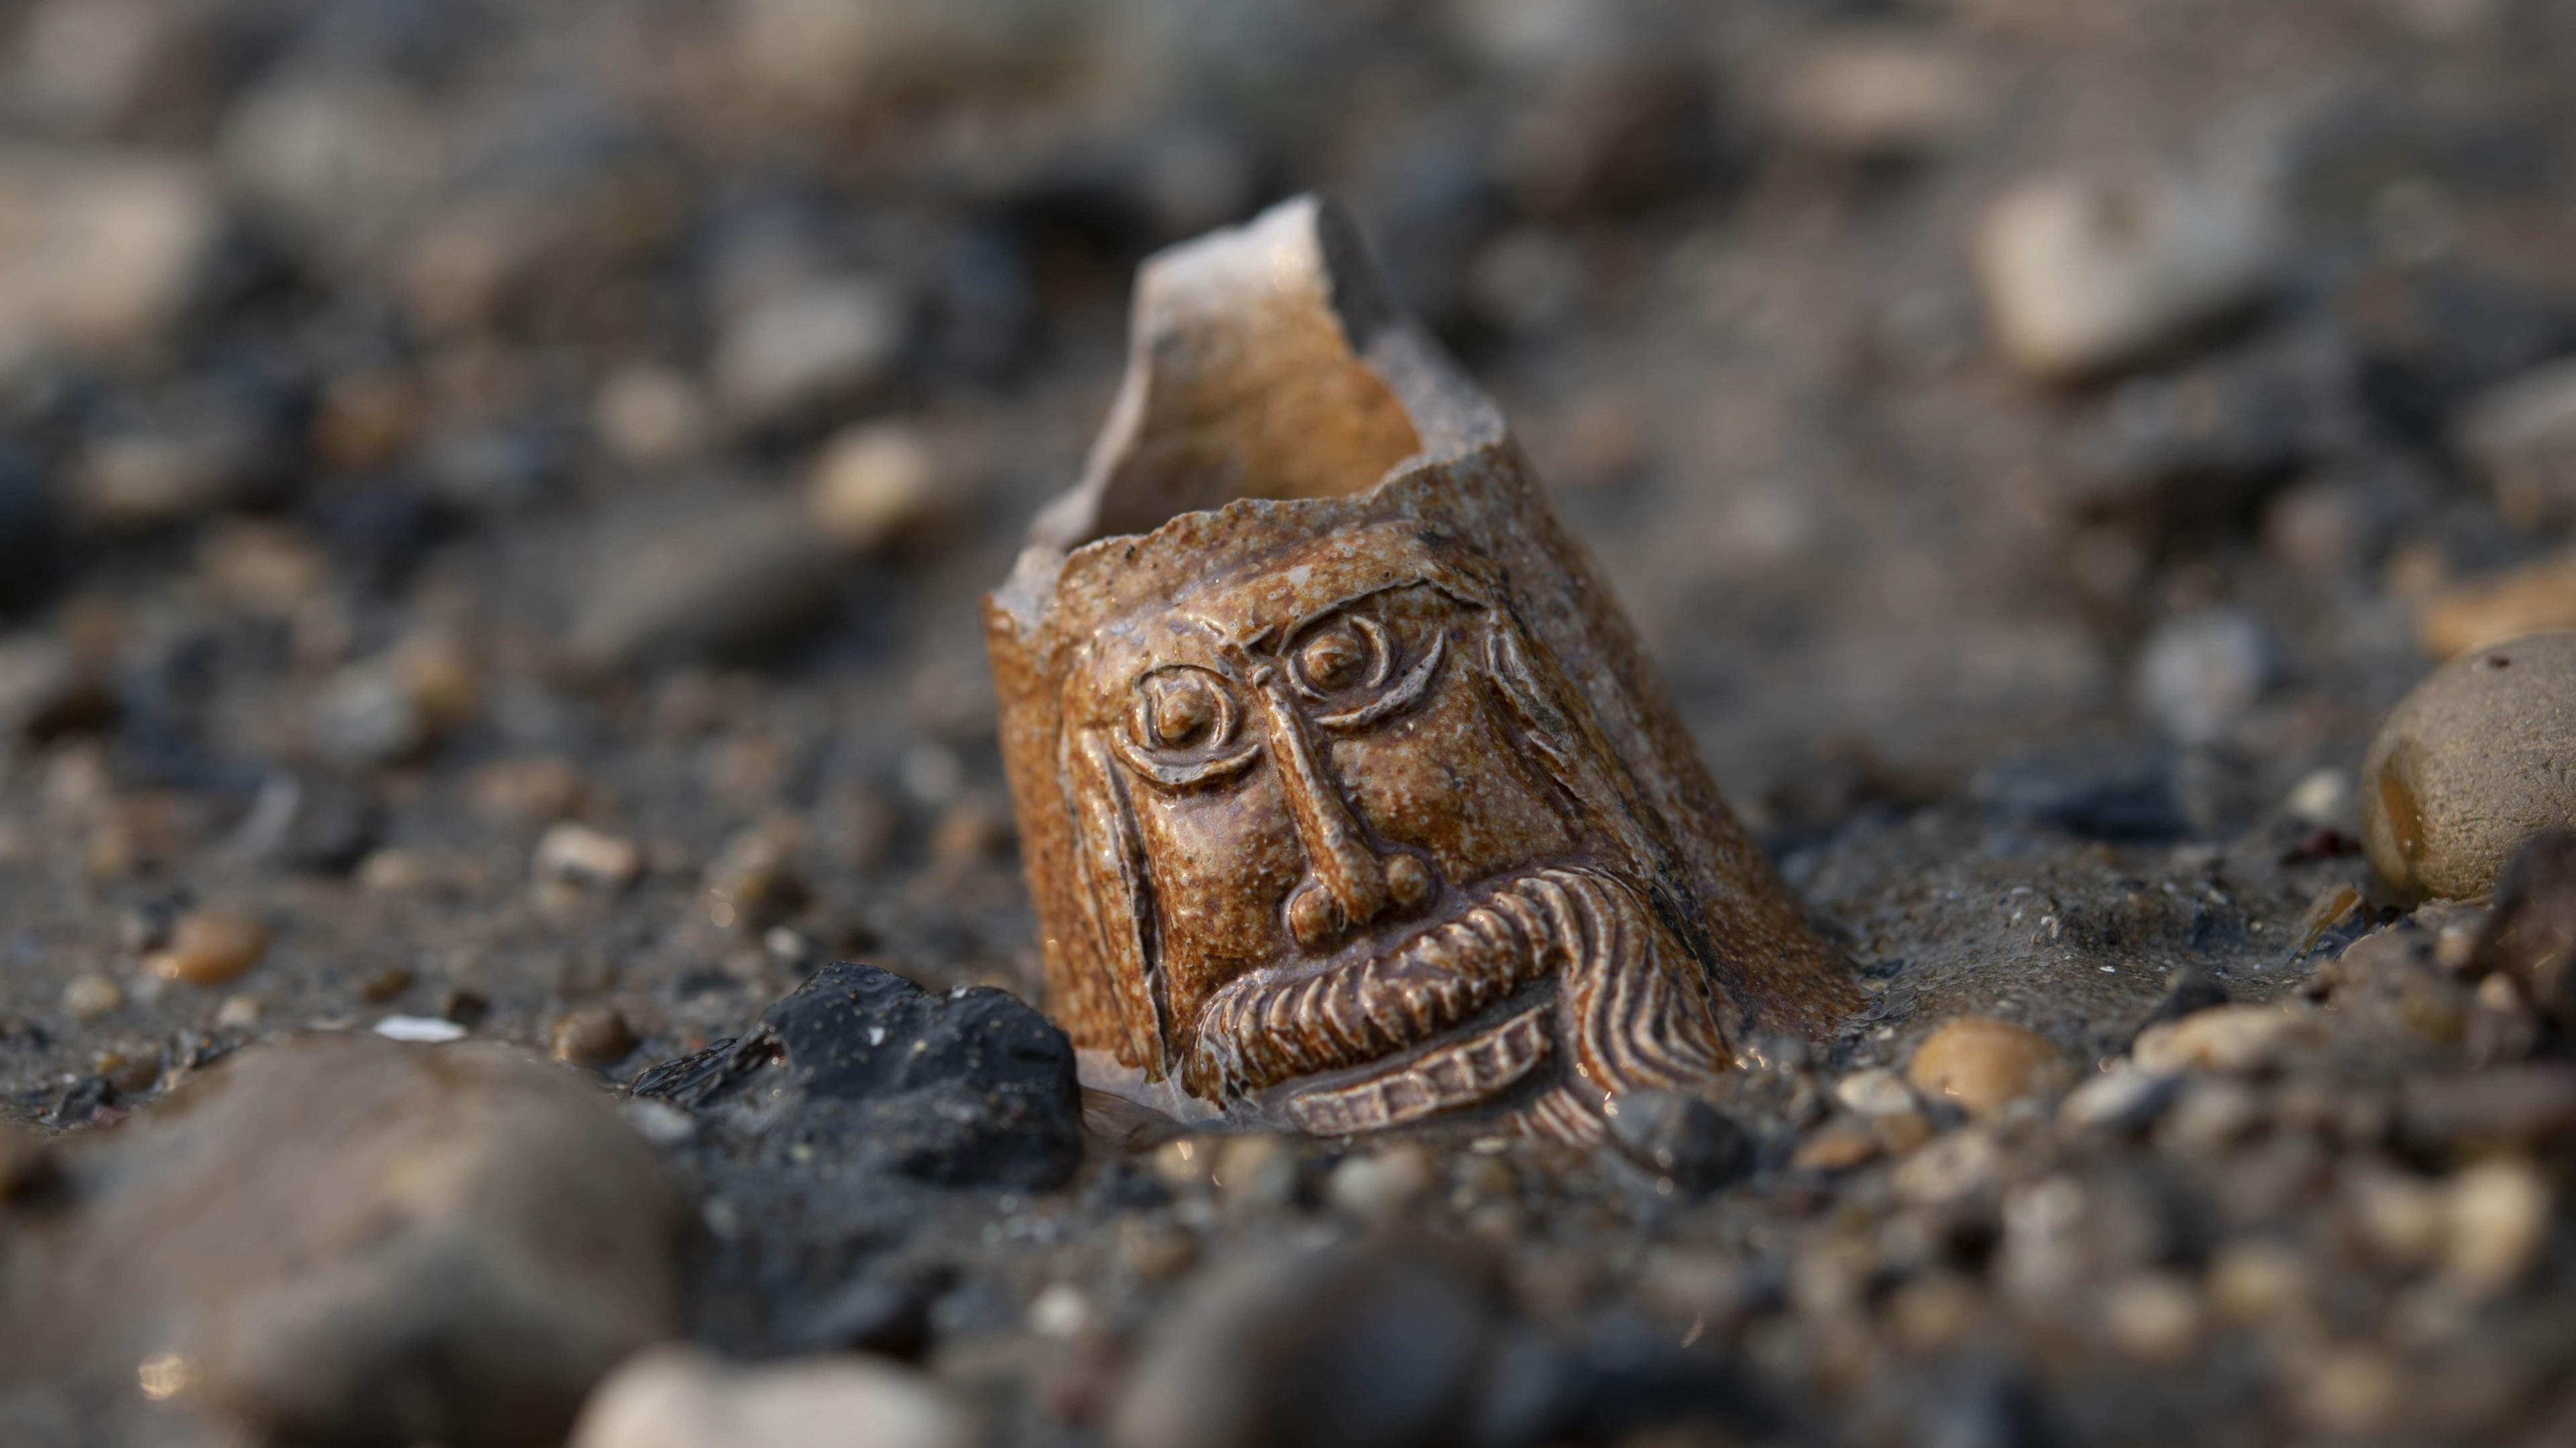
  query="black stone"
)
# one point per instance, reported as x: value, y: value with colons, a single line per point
x: 970, y: 1087
x: 1680, y: 1138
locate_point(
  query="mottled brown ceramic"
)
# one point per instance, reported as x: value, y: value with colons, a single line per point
x: 1346, y: 795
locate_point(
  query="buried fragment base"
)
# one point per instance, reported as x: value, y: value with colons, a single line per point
x: 1346, y: 794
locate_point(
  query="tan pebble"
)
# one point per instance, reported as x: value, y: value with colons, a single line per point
x: 1899, y: 1132
x: 1876, y: 92
x: 877, y: 484
x: 2353, y: 1390
x: 1935, y: 1313
x: 262, y: 566
x: 2084, y: 274
x: 1256, y: 1169
x: 531, y: 789
x: 1983, y: 1063
x: 1875, y: 1092
x: 385, y: 984
x: 592, y: 1036
x: 238, y: 1013
x: 364, y: 419
x: 1186, y: 1162
x: 88, y: 997
x: 1156, y: 1251
x: 2522, y: 435
x: 2399, y: 1218
x: 649, y: 417
x: 1838, y: 1145
x: 1380, y: 1186
x: 2498, y: 1220
x: 2253, y: 1282
x: 2210, y: 1116
x: 2225, y: 1038
x: 392, y: 872
x: 2469, y: 766
x: 569, y: 851
x: 2452, y: 619
x: 210, y: 947
x: 443, y: 677
x: 2155, y: 1317
x: 1953, y: 1167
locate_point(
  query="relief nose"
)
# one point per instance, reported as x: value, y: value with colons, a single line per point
x: 1348, y: 883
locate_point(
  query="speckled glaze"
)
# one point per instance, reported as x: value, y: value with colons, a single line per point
x: 2474, y: 761
x: 1346, y: 796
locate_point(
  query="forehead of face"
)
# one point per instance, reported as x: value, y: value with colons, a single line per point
x: 1251, y: 613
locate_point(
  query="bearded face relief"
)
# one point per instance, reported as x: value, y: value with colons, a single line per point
x: 1360, y: 844
x: 1346, y: 797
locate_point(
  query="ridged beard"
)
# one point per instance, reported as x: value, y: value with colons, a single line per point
x: 1569, y: 961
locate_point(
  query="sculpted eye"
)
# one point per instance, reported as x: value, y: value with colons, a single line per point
x: 1338, y: 658
x: 1350, y: 666
x: 1181, y: 728
x: 1345, y: 654
x: 1181, y: 708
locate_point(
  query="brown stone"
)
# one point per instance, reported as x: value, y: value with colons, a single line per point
x: 2492, y: 608
x: 1346, y: 794
x: 211, y: 947
x: 2470, y: 765
x: 592, y: 1036
x: 1983, y: 1063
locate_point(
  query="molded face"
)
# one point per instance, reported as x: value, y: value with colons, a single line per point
x: 1351, y: 858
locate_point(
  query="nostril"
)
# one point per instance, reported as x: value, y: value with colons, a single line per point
x: 1314, y: 917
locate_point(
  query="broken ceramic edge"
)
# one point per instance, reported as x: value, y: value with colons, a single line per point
x: 1356, y: 803
x: 1314, y: 261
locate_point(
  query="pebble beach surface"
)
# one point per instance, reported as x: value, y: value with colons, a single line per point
x: 513, y: 926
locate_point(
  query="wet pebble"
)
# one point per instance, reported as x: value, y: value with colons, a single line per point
x: 2084, y: 274
x: 1875, y: 1092
x: 1381, y: 1347
x: 1679, y: 1139
x: 596, y: 1036
x: 2493, y: 608
x: 807, y: 346
x: 210, y: 947
x: 390, y: 1222
x: 113, y: 247
x: 2522, y: 435
x: 877, y: 485
x: 1382, y: 1185
x: 2527, y: 944
x: 1983, y: 1063
x: 2123, y: 1100
x: 2496, y: 1223
x: 2226, y: 1038
x: 88, y: 996
x: 685, y: 1397
x: 576, y: 852
x: 1877, y: 92
x: 2200, y: 674
x: 2468, y: 767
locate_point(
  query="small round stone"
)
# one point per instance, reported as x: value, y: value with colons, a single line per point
x: 88, y: 997
x: 2469, y: 766
x: 211, y: 947
x: 1983, y: 1063
x: 2155, y: 1317
x: 592, y: 1036
x: 1680, y: 1138
x: 1382, y: 1186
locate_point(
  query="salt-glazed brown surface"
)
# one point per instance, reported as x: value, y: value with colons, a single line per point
x: 1346, y: 795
